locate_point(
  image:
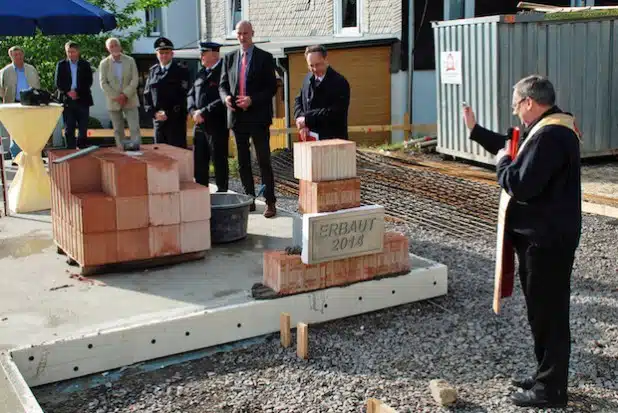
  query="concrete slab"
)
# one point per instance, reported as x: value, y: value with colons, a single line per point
x: 15, y: 395
x: 39, y: 301
x: 54, y: 327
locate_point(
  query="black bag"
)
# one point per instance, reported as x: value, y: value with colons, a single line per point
x: 36, y: 97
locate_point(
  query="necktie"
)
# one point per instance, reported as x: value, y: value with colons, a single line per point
x: 243, y: 71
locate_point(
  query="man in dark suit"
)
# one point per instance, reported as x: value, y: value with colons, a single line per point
x: 165, y: 96
x: 248, y: 85
x: 73, y: 80
x: 324, y: 98
x: 208, y: 112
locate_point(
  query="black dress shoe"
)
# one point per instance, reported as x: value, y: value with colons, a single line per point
x: 539, y: 398
x: 526, y: 383
x: 252, y: 207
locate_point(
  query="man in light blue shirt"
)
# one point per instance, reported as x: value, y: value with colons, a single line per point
x: 14, y: 78
x: 73, y: 80
x: 22, y: 82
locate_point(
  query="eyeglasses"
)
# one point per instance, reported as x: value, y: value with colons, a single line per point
x: 516, y: 105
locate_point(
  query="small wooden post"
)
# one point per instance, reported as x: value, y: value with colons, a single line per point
x: 302, y: 341
x: 376, y: 406
x: 407, y: 128
x: 373, y: 406
x: 286, y: 336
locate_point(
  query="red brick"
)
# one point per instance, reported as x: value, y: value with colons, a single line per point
x: 370, y: 265
x: 195, y: 236
x: 184, y: 157
x: 328, y: 196
x: 337, y: 272
x: 132, y: 212
x: 164, y: 209
x: 314, y: 277
x: 284, y: 273
x: 93, y: 212
x: 133, y: 244
x: 79, y: 175
x: 88, y: 249
x: 164, y: 240
x: 194, y: 202
x: 356, y: 269
x: 396, y: 252
x: 98, y: 249
x: 162, y: 172
x: 123, y: 175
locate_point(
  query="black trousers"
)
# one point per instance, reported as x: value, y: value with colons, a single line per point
x: 545, y: 275
x: 76, y: 116
x: 172, y: 131
x: 261, y: 142
x: 206, y: 144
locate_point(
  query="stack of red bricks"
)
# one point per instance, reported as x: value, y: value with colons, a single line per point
x: 327, y: 182
x: 326, y: 171
x: 110, y: 207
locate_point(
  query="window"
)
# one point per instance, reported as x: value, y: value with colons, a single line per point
x: 154, y: 17
x: 424, y: 48
x: 236, y: 11
x: 348, y: 17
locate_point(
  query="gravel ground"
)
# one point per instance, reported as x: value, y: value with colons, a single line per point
x: 393, y: 354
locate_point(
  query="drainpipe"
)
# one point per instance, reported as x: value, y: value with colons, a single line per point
x: 286, y: 98
x: 410, y: 61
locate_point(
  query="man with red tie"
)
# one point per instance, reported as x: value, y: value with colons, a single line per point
x: 247, y: 87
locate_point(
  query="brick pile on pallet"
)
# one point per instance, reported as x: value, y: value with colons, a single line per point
x: 111, y: 207
x: 343, y: 242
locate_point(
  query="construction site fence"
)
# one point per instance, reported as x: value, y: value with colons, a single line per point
x: 278, y: 133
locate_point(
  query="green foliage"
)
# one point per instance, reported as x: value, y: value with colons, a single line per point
x: 94, y: 123
x: 582, y: 15
x: 45, y: 51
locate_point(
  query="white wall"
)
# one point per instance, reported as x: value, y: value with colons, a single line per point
x: 424, y: 98
x: 99, y: 110
x: 399, y: 95
x: 180, y: 25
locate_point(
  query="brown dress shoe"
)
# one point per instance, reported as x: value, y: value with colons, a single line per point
x: 252, y: 207
x: 270, y: 210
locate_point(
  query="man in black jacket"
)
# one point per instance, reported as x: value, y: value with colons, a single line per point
x: 324, y: 98
x: 543, y: 221
x: 248, y: 85
x: 208, y: 112
x: 165, y: 96
x: 73, y: 80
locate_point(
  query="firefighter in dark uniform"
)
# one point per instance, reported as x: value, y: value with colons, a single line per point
x: 165, y: 95
x: 209, y: 113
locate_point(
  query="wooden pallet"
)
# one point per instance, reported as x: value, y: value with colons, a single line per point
x: 129, y: 266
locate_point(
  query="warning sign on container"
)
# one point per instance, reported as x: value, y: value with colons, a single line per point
x: 451, y: 68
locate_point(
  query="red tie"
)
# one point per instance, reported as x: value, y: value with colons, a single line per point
x: 243, y: 70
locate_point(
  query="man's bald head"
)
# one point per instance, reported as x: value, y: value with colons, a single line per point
x: 244, y: 33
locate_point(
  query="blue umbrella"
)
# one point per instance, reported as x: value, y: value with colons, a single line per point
x: 53, y: 17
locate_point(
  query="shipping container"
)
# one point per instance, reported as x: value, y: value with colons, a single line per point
x: 480, y: 59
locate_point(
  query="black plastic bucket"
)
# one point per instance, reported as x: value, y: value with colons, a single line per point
x: 230, y: 217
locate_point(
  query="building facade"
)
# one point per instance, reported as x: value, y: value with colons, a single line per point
x: 180, y: 22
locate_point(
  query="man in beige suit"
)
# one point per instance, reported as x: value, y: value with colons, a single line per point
x: 119, y: 78
x: 14, y: 78
x: 17, y: 76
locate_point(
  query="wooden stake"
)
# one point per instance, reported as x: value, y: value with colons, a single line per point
x: 407, y: 130
x: 286, y: 336
x: 376, y: 406
x: 302, y: 341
